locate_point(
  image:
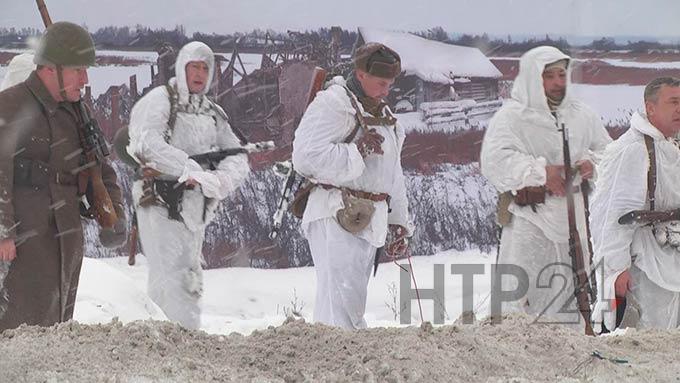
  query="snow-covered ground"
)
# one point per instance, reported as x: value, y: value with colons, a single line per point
x: 245, y: 299
x: 148, y: 56
x: 614, y: 103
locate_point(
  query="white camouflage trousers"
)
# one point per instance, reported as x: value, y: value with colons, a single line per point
x: 659, y: 308
x: 343, y: 266
x: 174, y: 256
x: 550, y: 284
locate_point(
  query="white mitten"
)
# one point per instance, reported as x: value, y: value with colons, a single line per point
x: 210, y: 184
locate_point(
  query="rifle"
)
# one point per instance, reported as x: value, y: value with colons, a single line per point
x: 575, y: 249
x: 42, y: 8
x: 94, y: 147
x: 286, y: 168
x: 647, y: 217
x: 90, y: 177
x: 212, y: 159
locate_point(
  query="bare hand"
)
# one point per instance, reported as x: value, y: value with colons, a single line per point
x: 586, y: 168
x: 554, y: 181
x: 7, y: 250
x: 622, y: 283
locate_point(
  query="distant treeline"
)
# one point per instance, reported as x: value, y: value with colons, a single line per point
x: 495, y: 46
x: 144, y: 38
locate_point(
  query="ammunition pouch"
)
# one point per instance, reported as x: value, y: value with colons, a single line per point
x: 356, y: 214
x: 530, y: 196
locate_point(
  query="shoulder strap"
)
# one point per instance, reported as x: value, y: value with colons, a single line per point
x: 651, y: 173
x: 361, y: 123
x: 173, y: 97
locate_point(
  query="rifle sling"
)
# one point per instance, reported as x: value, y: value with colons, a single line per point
x: 651, y: 173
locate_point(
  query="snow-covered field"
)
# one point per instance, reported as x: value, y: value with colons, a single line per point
x: 614, y: 103
x: 638, y: 64
x: 245, y: 299
x: 103, y: 77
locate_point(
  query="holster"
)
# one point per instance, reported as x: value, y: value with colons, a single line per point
x: 300, y: 198
x: 168, y: 194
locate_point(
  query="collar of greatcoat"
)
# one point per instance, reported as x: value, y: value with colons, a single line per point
x: 36, y: 86
x: 639, y: 122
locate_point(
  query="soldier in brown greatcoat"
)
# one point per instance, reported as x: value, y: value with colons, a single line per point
x: 40, y: 156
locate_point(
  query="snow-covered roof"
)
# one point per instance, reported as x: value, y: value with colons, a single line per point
x: 433, y: 61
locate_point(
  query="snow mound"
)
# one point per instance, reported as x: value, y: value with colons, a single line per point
x: 514, y: 350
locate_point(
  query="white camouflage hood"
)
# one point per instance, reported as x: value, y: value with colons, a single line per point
x: 528, y: 87
x: 18, y: 70
x: 193, y: 51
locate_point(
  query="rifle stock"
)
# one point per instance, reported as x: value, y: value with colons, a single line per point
x: 132, y: 240
x: 44, y: 14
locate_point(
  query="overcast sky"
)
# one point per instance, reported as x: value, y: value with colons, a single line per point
x: 655, y: 18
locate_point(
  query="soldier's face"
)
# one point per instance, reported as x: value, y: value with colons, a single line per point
x: 555, y: 83
x: 197, y: 76
x: 664, y: 114
x: 75, y: 79
x: 375, y: 87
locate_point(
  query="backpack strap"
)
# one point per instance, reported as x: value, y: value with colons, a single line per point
x: 651, y: 172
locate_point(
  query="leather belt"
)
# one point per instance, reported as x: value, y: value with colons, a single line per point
x: 375, y: 197
x: 36, y: 173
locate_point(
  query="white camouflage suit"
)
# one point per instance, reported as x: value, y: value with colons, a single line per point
x: 621, y: 188
x: 521, y: 140
x: 343, y: 261
x: 173, y: 248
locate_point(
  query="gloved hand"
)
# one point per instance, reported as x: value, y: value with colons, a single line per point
x: 668, y: 233
x: 396, y: 243
x: 116, y: 236
x: 370, y: 143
